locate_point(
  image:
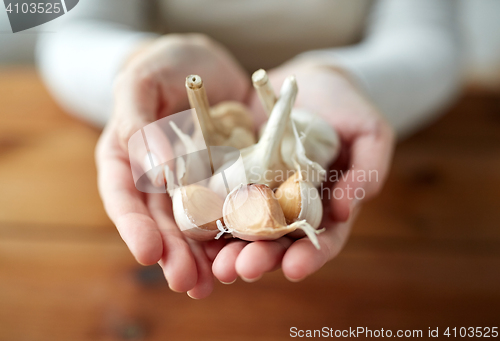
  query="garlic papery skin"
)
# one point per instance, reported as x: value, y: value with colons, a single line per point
x: 313, y: 170
x: 196, y: 211
x: 252, y: 212
x: 321, y: 142
x: 263, y: 161
x: 300, y: 200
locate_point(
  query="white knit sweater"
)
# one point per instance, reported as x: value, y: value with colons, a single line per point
x: 405, y: 54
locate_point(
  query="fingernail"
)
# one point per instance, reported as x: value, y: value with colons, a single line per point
x: 227, y: 283
x: 294, y: 280
x: 194, y: 298
x: 251, y: 280
x: 174, y: 290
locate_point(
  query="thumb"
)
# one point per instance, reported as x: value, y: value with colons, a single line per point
x: 136, y: 102
x: 135, y: 111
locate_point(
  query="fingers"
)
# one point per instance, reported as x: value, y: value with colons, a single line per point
x: 249, y: 260
x: 303, y: 259
x: 260, y: 257
x: 125, y: 205
x: 205, y: 282
x: 213, y: 247
x: 177, y: 261
x: 224, y: 266
x: 370, y: 160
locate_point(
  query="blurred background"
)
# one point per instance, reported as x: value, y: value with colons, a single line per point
x: 426, y: 253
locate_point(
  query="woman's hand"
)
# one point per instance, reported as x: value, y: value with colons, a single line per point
x: 367, y: 146
x: 151, y: 86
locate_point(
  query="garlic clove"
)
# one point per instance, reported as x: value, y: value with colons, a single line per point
x: 290, y: 198
x: 253, y: 209
x: 228, y: 177
x: 312, y: 206
x: 196, y: 211
x: 300, y: 200
x: 252, y: 212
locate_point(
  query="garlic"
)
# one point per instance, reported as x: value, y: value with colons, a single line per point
x: 227, y: 124
x: 263, y: 162
x: 300, y: 200
x: 321, y: 142
x: 229, y: 115
x: 196, y: 208
x: 197, y: 162
x: 252, y: 212
x: 196, y: 211
x: 315, y: 173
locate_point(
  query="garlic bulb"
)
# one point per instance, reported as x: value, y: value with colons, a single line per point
x: 321, y: 142
x: 252, y: 212
x: 227, y: 124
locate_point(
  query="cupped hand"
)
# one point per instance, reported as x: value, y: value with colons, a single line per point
x: 367, y: 146
x: 151, y: 86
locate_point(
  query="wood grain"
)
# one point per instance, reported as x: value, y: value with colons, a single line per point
x: 426, y: 253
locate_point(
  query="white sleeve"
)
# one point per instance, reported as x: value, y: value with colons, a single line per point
x: 80, y: 53
x: 409, y: 62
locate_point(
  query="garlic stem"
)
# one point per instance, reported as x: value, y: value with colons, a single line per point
x: 199, y: 101
x: 270, y: 141
x: 264, y: 90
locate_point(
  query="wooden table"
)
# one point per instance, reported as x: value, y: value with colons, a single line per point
x: 426, y: 253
